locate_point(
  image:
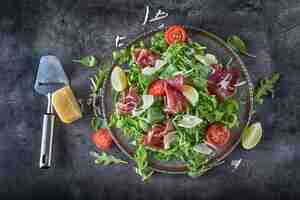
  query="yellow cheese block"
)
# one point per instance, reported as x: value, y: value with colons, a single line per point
x: 65, y: 105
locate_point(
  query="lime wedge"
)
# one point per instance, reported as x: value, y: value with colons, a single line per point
x: 251, y: 136
x: 191, y: 94
x: 118, y: 79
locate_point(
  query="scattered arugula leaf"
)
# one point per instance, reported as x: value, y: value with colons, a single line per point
x: 105, y: 159
x: 87, y: 61
x: 265, y: 87
x: 200, y: 169
x: 238, y: 45
x: 98, y: 79
x: 142, y: 165
x: 97, y: 123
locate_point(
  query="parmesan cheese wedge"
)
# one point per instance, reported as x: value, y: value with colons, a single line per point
x: 65, y: 105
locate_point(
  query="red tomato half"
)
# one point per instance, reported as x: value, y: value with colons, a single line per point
x: 217, y: 134
x: 102, y: 139
x: 157, y: 88
x: 175, y: 34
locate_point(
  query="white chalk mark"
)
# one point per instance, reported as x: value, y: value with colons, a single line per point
x: 236, y: 163
x: 146, y: 15
x: 159, y: 15
x: 161, y: 26
x: 118, y: 39
x: 240, y: 84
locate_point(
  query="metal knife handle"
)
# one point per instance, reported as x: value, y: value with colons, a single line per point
x: 47, y: 140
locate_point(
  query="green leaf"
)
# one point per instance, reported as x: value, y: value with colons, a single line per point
x: 168, y: 72
x: 158, y: 42
x: 265, y: 87
x: 87, y: 61
x: 155, y: 114
x: 142, y: 165
x: 97, y: 123
x: 238, y: 45
x: 121, y: 56
x: 98, y: 79
x: 105, y: 159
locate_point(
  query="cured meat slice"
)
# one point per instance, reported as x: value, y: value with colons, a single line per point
x: 155, y: 136
x: 128, y: 101
x: 144, y: 57
x: 222, y: 82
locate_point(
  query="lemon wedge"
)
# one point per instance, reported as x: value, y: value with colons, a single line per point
x: 191, y: 94
x: 251, y: 136
x: 118, y: 79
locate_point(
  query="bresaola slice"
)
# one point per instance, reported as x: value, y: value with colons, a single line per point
x: 144, y: 57
x: 176, y: 82
x: 155, y: 136
x: 171, y: 90
x: 174, y: 100
x: 222, y: 82
x: 128, y: 101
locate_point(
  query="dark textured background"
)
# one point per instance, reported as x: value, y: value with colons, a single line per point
x: 69, y: 29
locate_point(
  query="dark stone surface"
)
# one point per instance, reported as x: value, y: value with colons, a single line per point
x: 69, y: 29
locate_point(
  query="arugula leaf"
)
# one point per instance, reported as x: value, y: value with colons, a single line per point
x: 158, y: 42
x: 98, y: 79
x: 136, y: 78
x: 265, y: 87
x: 238, y: 45
x: 196, y: 170
x: 198, y: 49
x: 121, y: 56
x: 155, y: 114
x: 168, y: 72
x: 142, y: 165
x: 105, y: 159
x: 130, y: 126
x: 88, y: 61
x: 97, y: 123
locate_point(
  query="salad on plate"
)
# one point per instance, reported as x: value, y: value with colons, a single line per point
x: 174, y: 101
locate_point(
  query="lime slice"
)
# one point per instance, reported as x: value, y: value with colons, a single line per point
x: 191, y: 94
x: 251, y: 135
x: 118, y: 79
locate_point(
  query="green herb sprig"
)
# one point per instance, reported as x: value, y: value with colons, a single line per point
x: 98, y: 79
x: 88, y: 61
x: 142, y: 165
x: 105, y: 159
x: 97, y: 123
x: 206, y: 165
x: 265, y: 87
x: 238, y: 45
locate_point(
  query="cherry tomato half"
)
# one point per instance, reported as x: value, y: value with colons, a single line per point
x: 175, y: 34
x: 217, y: 134
x: 102, y: 139
x: 157, y: 88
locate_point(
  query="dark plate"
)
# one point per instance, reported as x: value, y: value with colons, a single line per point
x: 244, y: 95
